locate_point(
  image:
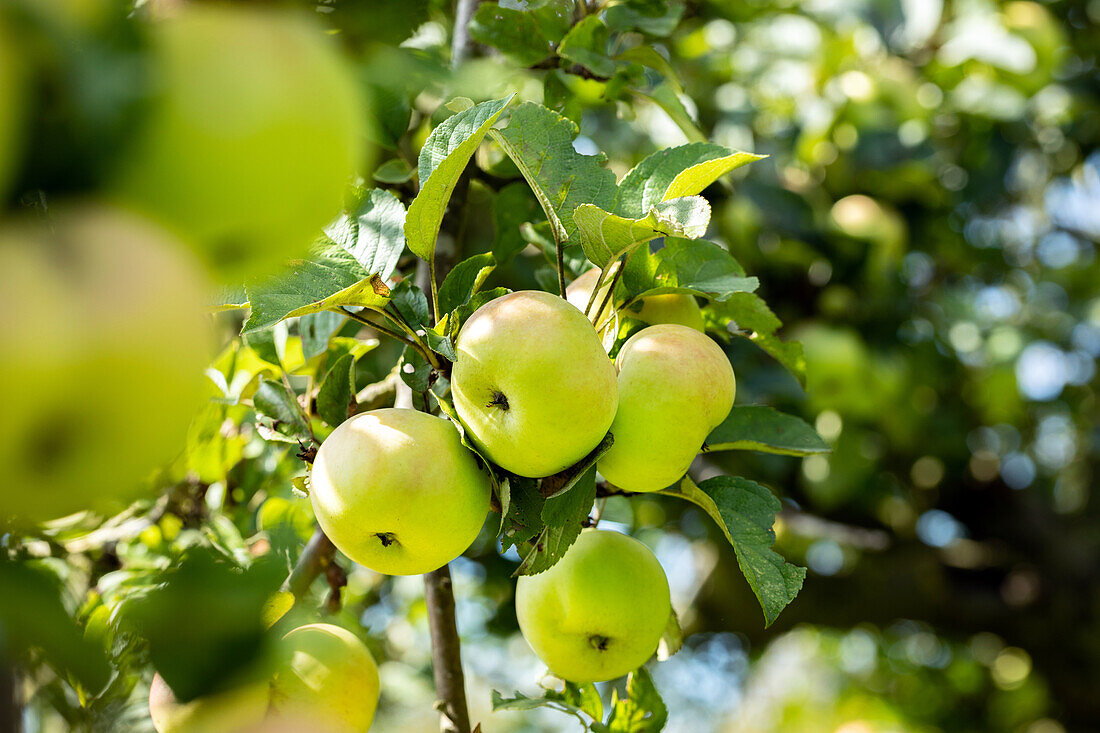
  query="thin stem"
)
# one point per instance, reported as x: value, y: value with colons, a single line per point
x: 561, y: 264
x: 427, y: 353
x: 597, y: 512
x: 592, y: 295
x: 611, y: 290
x: 318, y: 554
x: 461, y: 42
x: 450, y: 684
x: 435, y: 289
x: 376, y: 326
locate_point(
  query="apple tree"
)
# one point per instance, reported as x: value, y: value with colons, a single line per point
x: 446, y: 324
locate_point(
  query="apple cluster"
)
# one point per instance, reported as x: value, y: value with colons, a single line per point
x: 535, y: 391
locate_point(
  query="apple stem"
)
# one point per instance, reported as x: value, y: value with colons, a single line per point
x: 450, y: 683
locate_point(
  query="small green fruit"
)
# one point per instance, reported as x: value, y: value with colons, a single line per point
x: 670, y: 308
x: 327, y: 681
x: 532, y: 384
x: 675, y: 386
x: 599, y: 612
x: 237, y: 710
x: 255, y: 133
x: 396, y: 491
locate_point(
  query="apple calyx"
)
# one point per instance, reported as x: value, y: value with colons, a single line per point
x: 386, y: 538
x: 499, y: 400
x: 598, y: 642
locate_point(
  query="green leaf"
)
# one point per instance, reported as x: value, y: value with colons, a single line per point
x: 411, y: 303
x: 672, y: 639
x: 519, y: 702
x: 674, y: 172
x: 521, y: 508
x: 690, y: 266
x: 563, y: 515
x: 464, y: 280
x: 513, y: 206
x: 586, y: 44
x: 373, y: 233
x: 442, y: 159
x: 747, y: 315
x: 649, y: 56
x: 745, y: 511
x: 655, y: 17
x: 33, y: 617
x: 316, y: 329
x: 642, y: 710
x: 394, y: 172
x: 337, y: 391
x: 454, y: 320
x: 388, y: 114
x: 415, y: 371
x: 559, y: 483
x: 665, y: 97
x: 606, y: 237
x: 585, y: 698
x: 526, y: 35
x: 764, y: 429
x: 204, y: 621
x: 330, y: 279
x: 540, y: 142
x: 277, y: 403
x: 576, y: 700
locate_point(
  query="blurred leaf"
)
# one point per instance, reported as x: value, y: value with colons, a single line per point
x: 394, y: 172
x: 673, y: 638
x: 641, y: 711
x: 337, y: 391
x: 665, y: 97
x: 279, y: 405
x: 464, y: 280
x: 586, y: 44
x: 750, y: 314
x: 316, y: 329
x: 745, y: 511
x: 415, y: 371
x: 540, y: 142
x: 526, y: 35
x: 373, y: 233
x: 649, y: 56
x: 33, y: 617
x: 330, y: 279
x: 513, y: 206
x: 388, y: 114
x: 204, y: 624
x: 674, y: 172
x: 655, y: 17
x: 442, y: 159
x: 606, y: 237
x: 764, y: 429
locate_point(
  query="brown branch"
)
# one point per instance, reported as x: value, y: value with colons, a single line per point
x: 318, y: 555
x: 11, y: 714
x: 450, y: 685
x: 461, y: 43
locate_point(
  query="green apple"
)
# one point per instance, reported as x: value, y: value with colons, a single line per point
x: 326, y: 681
x: 396, y: 491
x: 655, y: 309
x: 599, y: 612
x: 532, y: 383
x: 255, y: 133
x: 101, y: 359
x: 675, y: 386
x: 236, y: 710
x: 678, y: 308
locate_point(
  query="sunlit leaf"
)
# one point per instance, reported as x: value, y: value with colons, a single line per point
x: 764, y: 429
x: 606, y: 237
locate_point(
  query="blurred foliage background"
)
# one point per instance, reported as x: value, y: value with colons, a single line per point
x: 926, y: 224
